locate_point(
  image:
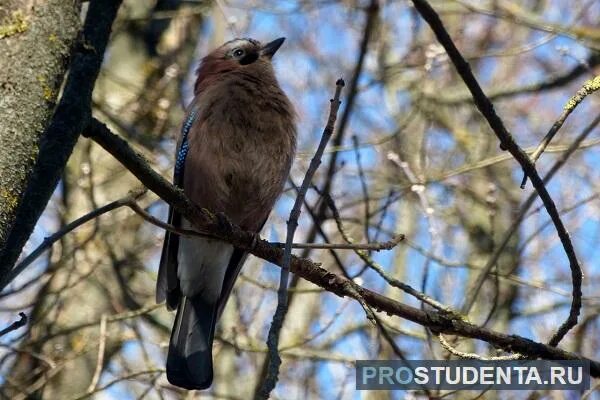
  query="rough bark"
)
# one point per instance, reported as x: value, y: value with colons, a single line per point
x: 107, y: 279
x: 35, y: 43
x: 61, y: 132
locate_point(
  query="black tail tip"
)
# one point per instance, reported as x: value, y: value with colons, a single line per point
x: 183, y: 380
x: 193, y: 372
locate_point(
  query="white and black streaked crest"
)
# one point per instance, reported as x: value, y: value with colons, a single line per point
x: 245, y: 50
x: 240, y: 42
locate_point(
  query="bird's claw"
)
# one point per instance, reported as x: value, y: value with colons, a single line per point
x: 254, y: 242
x: 224, y: 222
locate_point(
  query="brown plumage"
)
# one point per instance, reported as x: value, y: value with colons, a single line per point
x: 237, y: 145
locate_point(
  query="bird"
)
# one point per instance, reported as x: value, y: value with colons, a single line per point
x: 234, y: 154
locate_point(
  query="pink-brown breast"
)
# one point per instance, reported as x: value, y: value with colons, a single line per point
x: 241, y: 147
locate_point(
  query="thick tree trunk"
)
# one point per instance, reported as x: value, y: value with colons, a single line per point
x: 35, y: 44
x: 70, y: 117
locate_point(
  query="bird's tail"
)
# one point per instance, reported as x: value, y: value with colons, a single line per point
x: 189, y: 363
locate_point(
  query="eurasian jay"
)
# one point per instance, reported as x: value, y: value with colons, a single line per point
x: 234, y: 154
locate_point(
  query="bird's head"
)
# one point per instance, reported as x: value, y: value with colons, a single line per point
x: 248, y: 55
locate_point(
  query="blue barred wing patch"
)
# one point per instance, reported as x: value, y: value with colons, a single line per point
x: 185, y: 146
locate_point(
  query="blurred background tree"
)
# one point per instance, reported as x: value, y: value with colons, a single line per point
x: 411, y: 155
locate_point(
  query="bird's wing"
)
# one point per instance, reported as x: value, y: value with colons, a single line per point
x: 167, y: 284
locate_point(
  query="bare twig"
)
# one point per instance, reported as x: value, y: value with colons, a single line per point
x: 376, y: 246
x: 38, y: 356
x: 130, y: 201
x: 363, y: 185
x: 473, y: 356
x: 15, y: 325
x: 521, y: 18
x: 380, y: 270
x: 507, y: 142
x: 273, y: 338
x: 324, y: 328
x: 383, y: 212
x: 135, y: 207
x: 50, y: 240
x: 117, y: 380
x: 372, y: 13
x: 100, y: 360
x: 592, y: 390
x: 311, y: 271
x: 588, y: 88
x: 109, y: 320
x: 455, y: 97
x: 505, y: 157
x: 474, y: 291
x: 305, y: 353
x: 419, y: 190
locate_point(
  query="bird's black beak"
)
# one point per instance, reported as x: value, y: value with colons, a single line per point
x: 271, y: 48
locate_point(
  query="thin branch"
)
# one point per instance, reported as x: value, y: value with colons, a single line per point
x: 311, y: 271
x: 307, y: 339
x: 504, y: 157
x: 588, y: 88
x: 419, y: 190
x: 130, y: 201
x: 109, y: 320
x: 473, y: 356
x: 521, y: 17
x: 135, y: 207
x: 375, y: 246
x: 454, y: 97
x: 492, y: 261
x: 117, y: 380
x: 370, y: 24
x: 366, y: 308
x: 380, y: 270
x: 378, y: 228
x: 15, y: 325
x: 273, y: 338
x: 363, y: 185
x: 372, y: 13
x: 100, y: 361
x: 38, y: 356
x: 507, y: 142
x: 50, y: 240
x: 305, y: 353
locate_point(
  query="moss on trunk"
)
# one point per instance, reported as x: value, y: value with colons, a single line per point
x: 35, y: 44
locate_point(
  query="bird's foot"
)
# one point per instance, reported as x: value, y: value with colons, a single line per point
x: 224, y: 222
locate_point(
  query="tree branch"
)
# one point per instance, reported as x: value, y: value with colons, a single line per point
x: 15, y: 325
x: 311, y: 271
x: 454, y: 97
x: 507, y: 142
x: 588, y: 87
x: 282, y: 301
x: 50, y: 240
x: 473, y: 292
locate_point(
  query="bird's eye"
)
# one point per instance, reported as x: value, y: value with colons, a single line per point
x: 238, y: 53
